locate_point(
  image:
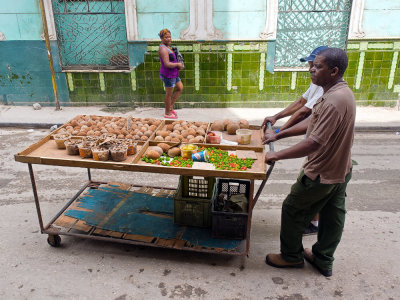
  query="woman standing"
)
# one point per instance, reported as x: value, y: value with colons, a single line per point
x: 169, y: 74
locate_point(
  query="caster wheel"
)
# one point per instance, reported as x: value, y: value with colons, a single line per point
x: 54, y: 240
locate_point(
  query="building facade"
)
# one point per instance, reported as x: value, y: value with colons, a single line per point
x: 237, y: 53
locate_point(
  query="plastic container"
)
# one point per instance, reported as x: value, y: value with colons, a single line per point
x: 132, y: 147
x: 191, y: 211
x: 85, y: 149
x: 214, y: 137
x: 60, y: 139
x: 243, y: 136
x: 187, y: 150
x: 200, y: 156
x: 100, y: 154
x: 229, y: 225
x: 72, y: 146
x: 119, y: 153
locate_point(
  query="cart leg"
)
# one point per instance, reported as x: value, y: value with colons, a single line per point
x: 35, y: 195
x: 54, y: 240
x: 243, y: 260
x: 89, y: 174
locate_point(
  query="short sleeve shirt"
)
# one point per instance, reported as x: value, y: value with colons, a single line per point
x: 332, y: 126
x: 313, y: 93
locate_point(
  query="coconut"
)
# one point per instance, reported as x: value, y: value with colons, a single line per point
x: 165, y: 147
x: 156, y: 148
x: 232, y: 127
x: 217, y: 126
x: 175, y: 151
x: 226, y: 122
x: 244, y: 124
x: 152, y: 154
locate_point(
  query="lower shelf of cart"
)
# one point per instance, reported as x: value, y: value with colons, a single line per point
x: 136, y: 215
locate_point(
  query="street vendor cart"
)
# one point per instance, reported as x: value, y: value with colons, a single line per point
x: 147, y: 215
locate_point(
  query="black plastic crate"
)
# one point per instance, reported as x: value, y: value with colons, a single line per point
x: 230, y: 225
x: 191, y: 211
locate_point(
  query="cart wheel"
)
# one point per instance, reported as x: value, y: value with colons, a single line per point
x: 54, y: 240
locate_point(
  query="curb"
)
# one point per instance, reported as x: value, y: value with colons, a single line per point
x: 48, y: 125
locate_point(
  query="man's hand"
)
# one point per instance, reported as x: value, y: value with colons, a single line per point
x: 271, y: 157
x: 272, y: 120
x: 268, y: 138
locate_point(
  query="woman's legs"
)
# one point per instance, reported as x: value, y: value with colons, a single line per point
x: 168, y: 100
x: 175, y: 96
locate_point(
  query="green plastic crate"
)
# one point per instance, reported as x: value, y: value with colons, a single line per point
x: 201, y: 187
x: 191, y: 211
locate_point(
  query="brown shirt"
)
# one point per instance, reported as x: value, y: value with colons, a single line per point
x: 332, y: 126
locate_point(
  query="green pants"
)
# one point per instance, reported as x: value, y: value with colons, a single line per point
x: 308, y: 197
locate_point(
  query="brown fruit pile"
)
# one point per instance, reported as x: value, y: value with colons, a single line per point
x: 182, y: 131
x: 140, y: 129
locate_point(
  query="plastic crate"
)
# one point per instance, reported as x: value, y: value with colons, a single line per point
x: 191, y: 211
x: 230, y: 225
x: 201, y: 187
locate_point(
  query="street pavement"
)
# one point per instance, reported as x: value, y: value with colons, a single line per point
x: 366, y: 265
x: 367, y: 117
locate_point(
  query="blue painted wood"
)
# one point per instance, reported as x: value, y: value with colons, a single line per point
x: 132, y: 216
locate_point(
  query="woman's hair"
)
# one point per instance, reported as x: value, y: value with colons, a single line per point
x: 163, y: 32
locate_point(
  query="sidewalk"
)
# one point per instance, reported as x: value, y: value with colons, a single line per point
x: 368, y: 118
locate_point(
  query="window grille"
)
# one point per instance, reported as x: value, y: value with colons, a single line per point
x: 91, y: 34
x: 304, y: 25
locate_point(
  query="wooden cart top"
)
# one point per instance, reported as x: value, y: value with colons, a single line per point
x: 46, y: 152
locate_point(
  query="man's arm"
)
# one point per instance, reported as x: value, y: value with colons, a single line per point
x: 298, y: 116
x: 291, y: 109
x: 305, y: 147
x: 298, y: 129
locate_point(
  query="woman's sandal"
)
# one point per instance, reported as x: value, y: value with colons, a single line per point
x: 171, y: 116
x: 174, y: 113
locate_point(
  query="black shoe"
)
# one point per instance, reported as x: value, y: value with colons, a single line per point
x: 309, y: 257
x: 311, y: 229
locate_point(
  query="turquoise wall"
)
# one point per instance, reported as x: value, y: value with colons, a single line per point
x: 20, y: 20
x: 152, y: 16
x: 25, y: 74
x: 240, y: 19
x: 381, y: 18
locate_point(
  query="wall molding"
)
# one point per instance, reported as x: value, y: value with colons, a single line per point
x: 51, y: 26
x: 201, y: 25
x: 355, y: 27
x: 271, y: 22
x: 131, y: 20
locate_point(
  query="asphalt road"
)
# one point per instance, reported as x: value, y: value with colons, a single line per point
x: 366, y: 266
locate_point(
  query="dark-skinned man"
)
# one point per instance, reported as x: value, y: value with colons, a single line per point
x: 321, y: 185
x: 298, y: 110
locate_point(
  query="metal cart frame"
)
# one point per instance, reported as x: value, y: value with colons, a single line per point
x: 54, y: 232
